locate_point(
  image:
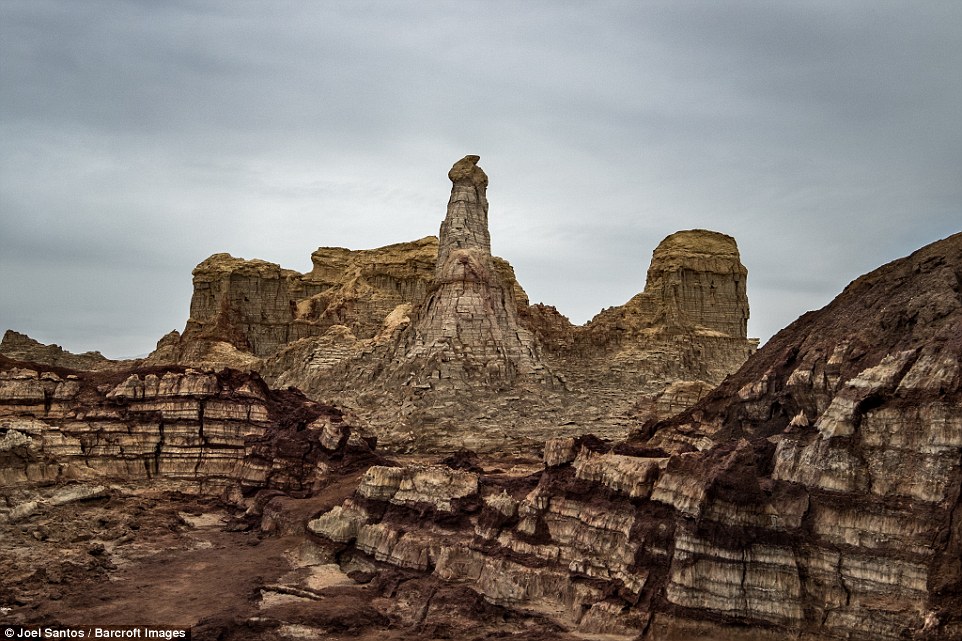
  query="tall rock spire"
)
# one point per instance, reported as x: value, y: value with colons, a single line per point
x: 468, y: 331
x: 466, y: 224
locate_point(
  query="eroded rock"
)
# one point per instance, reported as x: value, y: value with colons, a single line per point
x: 815, y: 494
x: 435, y: 345
x: 208, y: 431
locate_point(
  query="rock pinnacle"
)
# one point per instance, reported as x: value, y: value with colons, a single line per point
x: 468, y: 329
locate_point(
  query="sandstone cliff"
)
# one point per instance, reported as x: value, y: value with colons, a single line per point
x: 244, y: 310
x: 814, y: 495
x: 689, y: 324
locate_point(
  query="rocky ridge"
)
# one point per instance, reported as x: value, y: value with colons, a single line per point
x: 686, y: 330
x: 468, y: 333
x: 246, y: 310
x: 97, y: 471
x: 813, y: 495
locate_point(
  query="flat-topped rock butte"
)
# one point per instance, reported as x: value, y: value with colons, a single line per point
x: 635, y: 478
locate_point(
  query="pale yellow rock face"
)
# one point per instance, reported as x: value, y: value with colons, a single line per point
x: 631, y: 475
x: 469, y: 324
x: 245, y: 310
x: 467, y: 172
x: 686, y: 330
x: 698, y: 279
x: 341, y: 524
x: 759, y: 582
x: 437, y: 486
x: 696, y: 284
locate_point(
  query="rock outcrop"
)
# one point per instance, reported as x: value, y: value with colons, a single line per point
x: 21, y: 347
x: 689, y: 326
x: 813, y: 495
x: 213, y: 433
x: 467, y: 332
x: 697, y: 282
x: 245, y: 310
x: 435, y: 345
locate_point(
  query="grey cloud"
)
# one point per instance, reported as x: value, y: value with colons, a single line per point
x: 141, y: 137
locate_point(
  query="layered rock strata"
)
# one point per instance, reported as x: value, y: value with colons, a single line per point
x: 244, y: 310
x: 814, y: 495
x: 201, y: 431
x: 688, y: 325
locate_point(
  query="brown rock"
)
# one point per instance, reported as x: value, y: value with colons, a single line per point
x: 736, y: 518
x: 245, y: 310
x: 469, y: 324
x: 21, y: 347
x: 696, y: 280
x: 204, y: 431
x: 689, y: 324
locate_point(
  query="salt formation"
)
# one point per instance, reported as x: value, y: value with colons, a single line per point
x: 468, y: 329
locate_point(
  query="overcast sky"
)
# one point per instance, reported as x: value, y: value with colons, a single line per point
x: 138, y: 138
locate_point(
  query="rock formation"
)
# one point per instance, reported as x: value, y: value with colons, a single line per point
x: 689, y: 324
x: 157, y: 481
x: 245, y: 310
x: 698, y: 281
x: 201, y: 431
x: 21, y: 347
x: 814, y: 495
x: 434, y: 341
x: 467, y: 332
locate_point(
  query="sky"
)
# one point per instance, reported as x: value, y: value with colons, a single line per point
x: 139, y: 137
